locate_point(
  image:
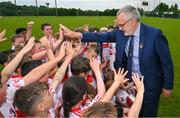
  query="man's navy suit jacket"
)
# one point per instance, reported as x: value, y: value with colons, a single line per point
x: 154, y: 56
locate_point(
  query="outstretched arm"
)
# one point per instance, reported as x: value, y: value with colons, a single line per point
x: 11, y: 67
x: 91, y: 37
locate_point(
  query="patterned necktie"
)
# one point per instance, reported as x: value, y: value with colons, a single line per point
x: 130, y: 56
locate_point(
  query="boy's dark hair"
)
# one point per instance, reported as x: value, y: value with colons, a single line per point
x: 94, y: 47
x: 93, y: 29
x: 110, y: 27
x: 101, y: 109
x: 29, y: 66
x: 80, y: 65
x: 73, y: 91
x: 19, y: 30
x: 4, y: 56
x: 45, y: 24
x: 26, y: 98
x: 13, y: 38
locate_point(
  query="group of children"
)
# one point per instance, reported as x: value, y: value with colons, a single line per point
x: 59, y: 76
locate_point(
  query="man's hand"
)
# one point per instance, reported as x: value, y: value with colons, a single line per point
x: 166, y: 93
x: 2, y: 35
x: 69, y: 33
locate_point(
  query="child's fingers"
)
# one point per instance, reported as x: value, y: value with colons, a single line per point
x: 137, y: 76
x: 142, y: 80
x: 125, y: 80
x: 122, y: 70
x: 125, y: 74
x: 134, y: 87
x: 133, y: 78
x: 115, y: 72
x: 3, y: 32
x: 119, y: 71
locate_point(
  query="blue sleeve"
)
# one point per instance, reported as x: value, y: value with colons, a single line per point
x: 99, y: 37
x: 162, y: 49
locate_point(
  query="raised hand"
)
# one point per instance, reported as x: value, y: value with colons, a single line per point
x: 29, y: 45
x: 69, y: 33
x: 30, y: 24
x: 64, y: 28
x: 118, y: 81
x: 61, y: 33
x: 70, y: 51
x: 119, y: 77
x: 139, y: 83
x: 95, y: 64
x: 78, y: 48
x: 2, y: 35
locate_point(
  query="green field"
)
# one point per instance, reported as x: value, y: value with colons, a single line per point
x: 171, y: 27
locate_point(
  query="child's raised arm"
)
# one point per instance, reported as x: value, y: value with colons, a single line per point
x: 41, y: 70
x: 59, y: 41
x: 46, y: 44
x: 118, y: 81
x: 95, y: 65
x: 11, y: 67
x: 29, y: 30
x: 39, y: 55
x: 136, y: 106
x: 70, y: 53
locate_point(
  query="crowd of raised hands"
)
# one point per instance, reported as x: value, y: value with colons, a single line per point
x: 48, y: 68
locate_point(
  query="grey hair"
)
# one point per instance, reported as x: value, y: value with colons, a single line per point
x: 130, y: 11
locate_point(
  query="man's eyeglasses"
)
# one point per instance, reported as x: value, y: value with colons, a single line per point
x: 122, y: 25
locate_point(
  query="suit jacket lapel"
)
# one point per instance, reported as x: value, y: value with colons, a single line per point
x: 141, y: 42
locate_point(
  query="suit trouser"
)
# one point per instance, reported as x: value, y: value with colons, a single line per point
x: 150, y: 106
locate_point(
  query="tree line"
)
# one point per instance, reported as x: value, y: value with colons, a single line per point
x: 10, y: 9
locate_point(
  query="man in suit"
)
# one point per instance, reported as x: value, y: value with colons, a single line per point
x: 140, y: 49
